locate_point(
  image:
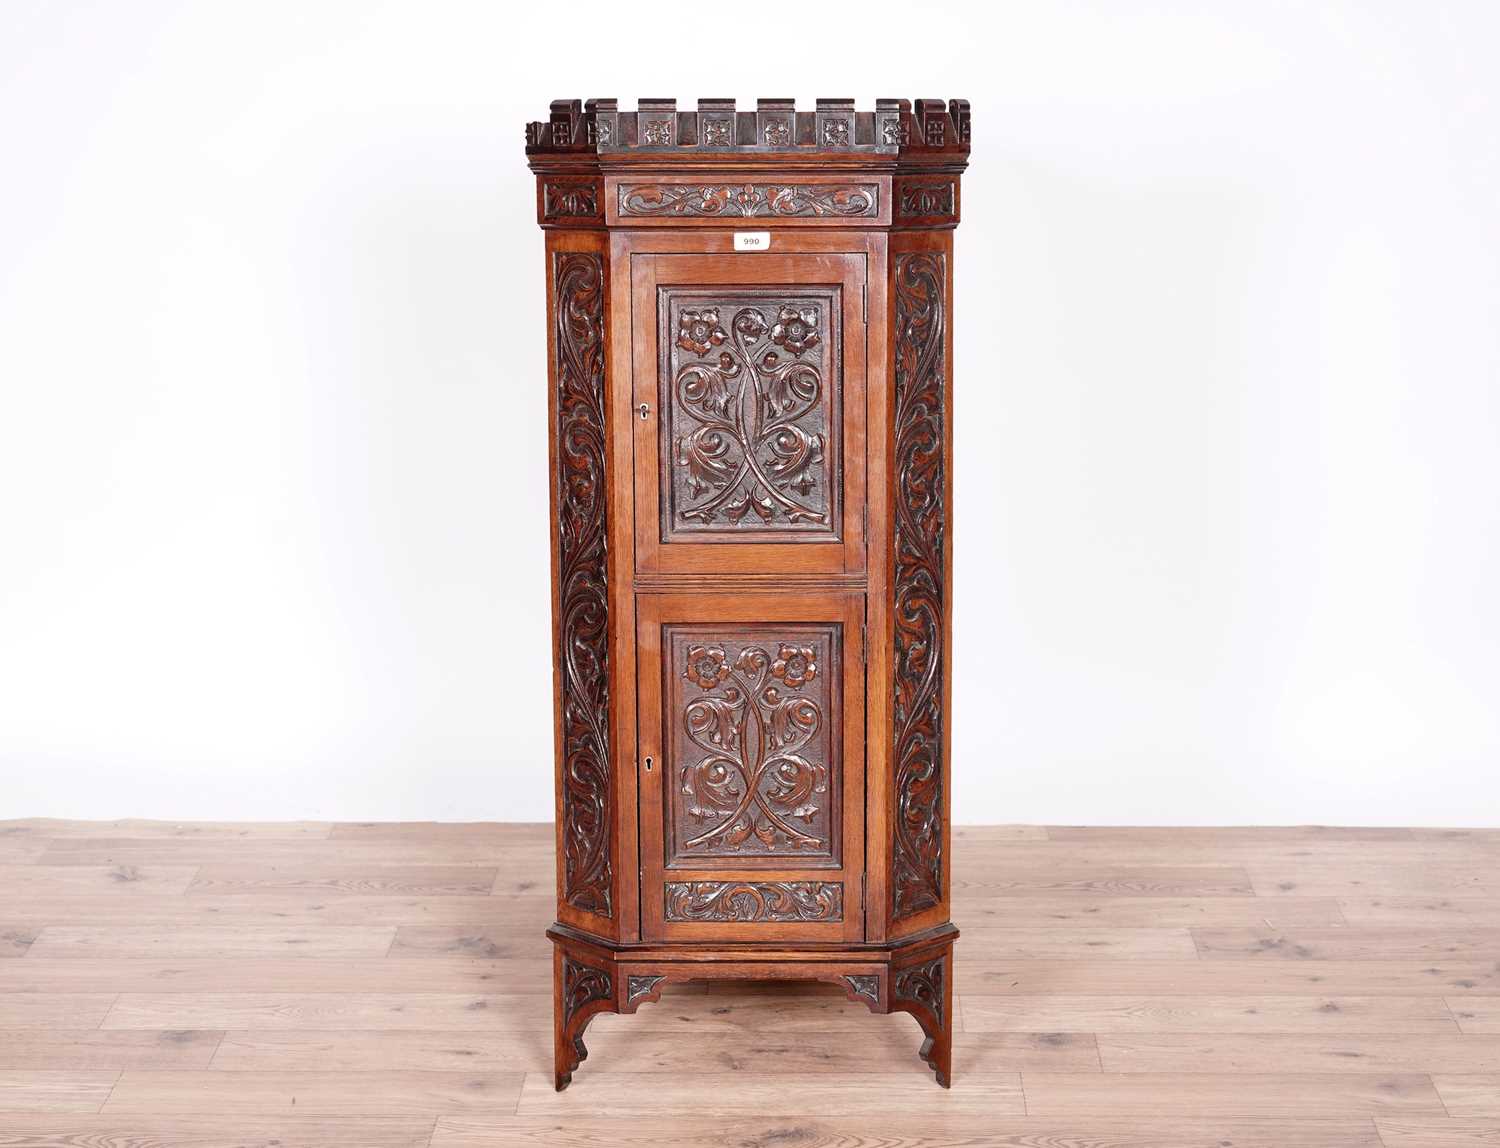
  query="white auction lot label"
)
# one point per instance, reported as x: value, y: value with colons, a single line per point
x: 752, y: 241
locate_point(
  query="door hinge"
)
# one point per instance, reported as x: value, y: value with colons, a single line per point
x: 864, y: 301
x: 862, y: 880
x: 864, y: 644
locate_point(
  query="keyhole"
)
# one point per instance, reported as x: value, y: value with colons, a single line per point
x: 648, y: 765
x: 645, y: 411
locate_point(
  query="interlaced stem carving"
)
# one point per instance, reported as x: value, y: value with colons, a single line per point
x: 749, y: 444
x: 755, y: 781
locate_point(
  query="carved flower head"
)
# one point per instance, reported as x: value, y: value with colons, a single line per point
x: 699, y: 331
x: 706, y: 665
x: 796, y: 330
x: 795, y: 665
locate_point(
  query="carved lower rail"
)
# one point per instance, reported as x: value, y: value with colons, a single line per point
x: 914, y: 978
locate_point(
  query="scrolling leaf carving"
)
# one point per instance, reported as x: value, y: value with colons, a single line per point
x: 753, y: 745
x: 922, y: 984
x: 583, y: 631
x: 748, y: 200
x: 750, y: 418
x: 745, y: 901
x: 921, y: 523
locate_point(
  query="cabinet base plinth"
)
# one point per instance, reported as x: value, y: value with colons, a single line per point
x: 590, y: 976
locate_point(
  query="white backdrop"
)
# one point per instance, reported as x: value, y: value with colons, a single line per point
x: 272, y: 463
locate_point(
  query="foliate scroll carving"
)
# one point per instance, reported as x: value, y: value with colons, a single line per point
x: 583, y: 629
x: 748, y: 200
x: 926, y: 197
x: 568, y: 199
x: 754, y: 901
x: 862, y: 985
x: 923, y: 985
x: 583, y: 985
x: 751, y: 436
x: 637, y: 987
x: 919, y: 590
x: 751, y: 730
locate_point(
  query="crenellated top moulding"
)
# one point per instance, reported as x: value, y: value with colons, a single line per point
x: 931, y: 130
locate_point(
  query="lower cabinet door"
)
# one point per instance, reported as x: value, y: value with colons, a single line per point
x: 751, y: 766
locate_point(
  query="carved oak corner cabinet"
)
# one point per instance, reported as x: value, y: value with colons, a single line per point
x: 749, y: 349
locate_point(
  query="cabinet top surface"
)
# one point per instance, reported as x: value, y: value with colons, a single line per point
x: 897, y: 132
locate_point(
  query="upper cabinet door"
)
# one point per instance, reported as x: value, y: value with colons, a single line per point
x: 749, y: 384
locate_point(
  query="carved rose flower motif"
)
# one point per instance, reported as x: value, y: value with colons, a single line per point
x: 706, y: 665
x: 699, y: 331
x: 796, y: 330
x: 795, y: 665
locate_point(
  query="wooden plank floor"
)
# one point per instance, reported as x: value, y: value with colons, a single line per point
x: 388, y: 986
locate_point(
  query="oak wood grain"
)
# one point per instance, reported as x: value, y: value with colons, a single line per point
x: 40, y: 1090
x: 71, y: 1049
x: 1187, y: 1013
x: 1438, y: 1132
x: 1297, y: 1052
x: 295, y: 974
x: 1189, y: 1020
x: 629, y: 1094
x: 1226, y: 977
x: 53, y: 1010
x: 1471, y: 1094
x: 209, y: 941
x: 1476, y: 1014
x: 322, y: 880
x: 1276, y: 1096
x: 1349, y: 944
x: 33, y: 881
x: 385, y: 1011
x: 313, y: 1093
x: 896, y: 1130
x: 241, y: 1130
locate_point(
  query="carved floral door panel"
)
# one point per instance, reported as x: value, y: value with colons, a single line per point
x: 752, y: 765
x: 744, y: 371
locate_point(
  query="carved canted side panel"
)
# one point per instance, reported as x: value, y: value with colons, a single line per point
x: 583, y: 629
x: 919, y: 587
x: 749, y: 200
x: 751, y: 394
x: 753, y: 901
x: 753, y: 715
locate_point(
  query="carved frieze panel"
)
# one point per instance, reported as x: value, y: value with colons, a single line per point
x: 750, y: 397
x: 753, y: 714
x: 920, y: 582
x: 753, y: 901
x: 582, y: 569
x: 750, y: 200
